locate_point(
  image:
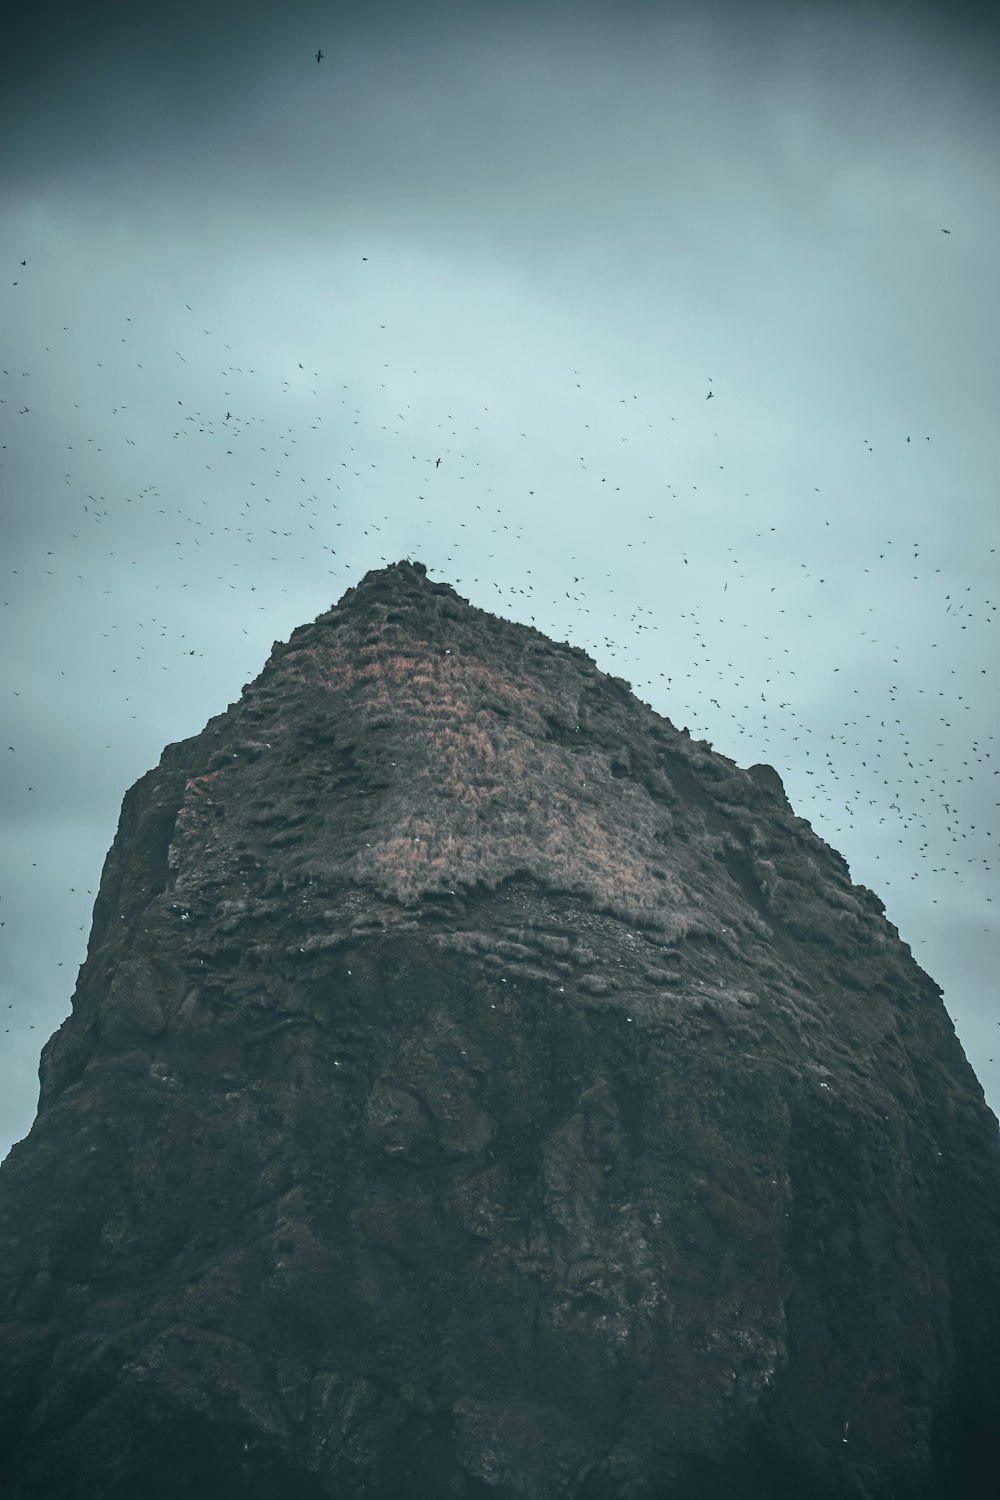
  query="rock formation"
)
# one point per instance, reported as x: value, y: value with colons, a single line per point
x: 477, y: 1090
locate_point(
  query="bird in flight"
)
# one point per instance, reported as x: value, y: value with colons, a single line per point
x: 319, y: 55
x: 437, y: 464
x: 710, y: 395
x: 946, y: 231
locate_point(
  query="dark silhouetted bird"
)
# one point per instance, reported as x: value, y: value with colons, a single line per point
x: 319, y: 55
x: 946, y: 231
x: 710, y: 395
x: 437, y: 463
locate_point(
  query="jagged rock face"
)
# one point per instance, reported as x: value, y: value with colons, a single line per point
x: 475, y: 1088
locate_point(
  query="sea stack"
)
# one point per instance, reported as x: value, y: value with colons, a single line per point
x: 477, y: 1089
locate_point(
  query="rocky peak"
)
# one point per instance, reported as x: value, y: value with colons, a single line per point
x: 475, y: 1087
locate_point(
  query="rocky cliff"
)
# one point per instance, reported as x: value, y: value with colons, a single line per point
x: 477, y: 1089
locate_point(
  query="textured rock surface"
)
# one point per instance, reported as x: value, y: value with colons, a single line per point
x: 475, y: 1088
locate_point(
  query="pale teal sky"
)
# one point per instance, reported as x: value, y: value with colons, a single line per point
x: 528, y: 241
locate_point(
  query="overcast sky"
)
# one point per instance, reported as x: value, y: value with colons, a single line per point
x: 248, y: 300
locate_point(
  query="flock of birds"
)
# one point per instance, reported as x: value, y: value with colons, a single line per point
x: 269, y: 531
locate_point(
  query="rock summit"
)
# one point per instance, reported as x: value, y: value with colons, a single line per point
x: 476, y: 1089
